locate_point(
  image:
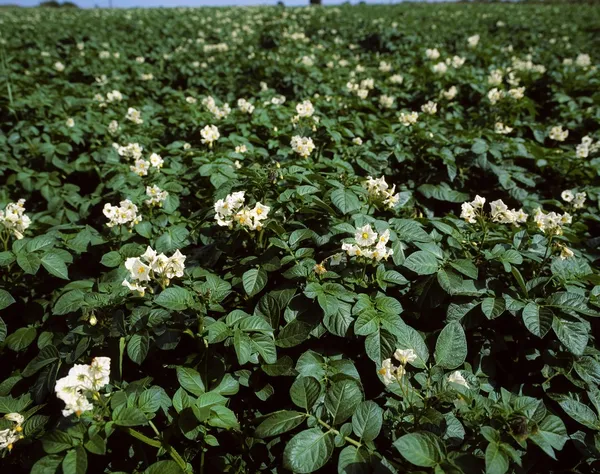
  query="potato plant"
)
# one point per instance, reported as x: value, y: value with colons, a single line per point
x: 360, y: 239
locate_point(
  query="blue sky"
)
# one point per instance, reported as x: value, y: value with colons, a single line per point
x: 191, y: 3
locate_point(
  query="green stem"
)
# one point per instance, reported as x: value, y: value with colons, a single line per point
x: 137, y: 435
x: 331, y: 429
x: 547, y: 253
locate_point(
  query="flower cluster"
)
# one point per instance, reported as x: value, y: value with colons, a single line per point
x: 558, y: 134
x: 245, y: 106
x: 232, y: 209
x: 210, y: 134
x: 131, y: 150
x: 408, y: 119
x: 82, y: 380
x: 14, y: 219
x: 499, y: 212
x: 389, y: 372
x: 212, y: 107
x: 369, y: 244
x: 125, y: 213
x: 578, y: 199
x: 429, y: 108
x: 9, y: 436
x: 304, y: 146
x: 587, y: 147
x: 134, y: 116
x: 157, y: 267
x: 551, y: 223
x: 156, y: 195
x: 305, y: 109
x: 378, y: 191
x: 502, y: 129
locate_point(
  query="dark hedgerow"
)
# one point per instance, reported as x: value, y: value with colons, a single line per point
x: 276, y: 240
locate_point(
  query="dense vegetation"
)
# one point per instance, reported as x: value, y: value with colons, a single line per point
x: 361, y: 239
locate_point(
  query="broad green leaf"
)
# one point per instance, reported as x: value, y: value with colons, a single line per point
x: 367, y: 421
x: 537, y: 319
x: 137, y: 347
x: 75, y: 461
x: 345, y: 200
x: 278, y: 423
x: 6, y: 299
x: 254, y: 280
x: 190, y: 380
x: 305, y: 391
x: 493, y: 307
x: 496, y: 460
x: 421, y: 449
x: 308, y: 451
x: 21, y: 339
x: 55, y: 266
x: 175, y: 298
x: 573, y: 334
x: 422, y: 263
x: 129, y: 416
x: 451, y: 346
x: 342, y: 398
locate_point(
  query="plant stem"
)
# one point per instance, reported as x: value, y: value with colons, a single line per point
x: 350, y: 440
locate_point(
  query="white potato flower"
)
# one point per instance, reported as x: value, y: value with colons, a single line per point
x: 557, y: 133
x: 210, y: 134
x: 457, y: 378
x: 14, y: 220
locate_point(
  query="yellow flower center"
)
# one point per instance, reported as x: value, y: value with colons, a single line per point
x: 365, y: 235
x: 259, y: 211
x: 141, y: 270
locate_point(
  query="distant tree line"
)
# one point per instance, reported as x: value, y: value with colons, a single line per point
x: 54, y: 4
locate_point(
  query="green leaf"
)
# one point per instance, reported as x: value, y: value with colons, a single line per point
x: 278, y: 423
x: 55, y: 266
x: 579, y: 412
x: 45, y: 357
x: 422, y: 263
x: 70, y: 302
x: 29, y: 262
x: 164, y: 467
x: 537, y: 319
x: 479, y: 146
x: 380, y: 345
x: 175, y: 298
x: 421, y: 449
x: 111, y: 259
x: 308, y: 451
x: 367, y: 421
x: 190, y: 380
x: 354, y: 460
x: 6, y: 299
x: 305, y: 391
x: 573, y: 334
x: 451, y: 346
x: 137, y: 347
x: 75, y: 461
x: 345, y: 200
x: 254, y: 280
x: 129, y: 416
x: 496, y: 460
x: 56, y: 441
x: 96, y: 444
x: 342, y: 398
x: 466, y: 267
x: 47, y: 465
x: 551, y: 434
x: 493, y: 307
x: 409, y: 338
x: 21, y: 339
